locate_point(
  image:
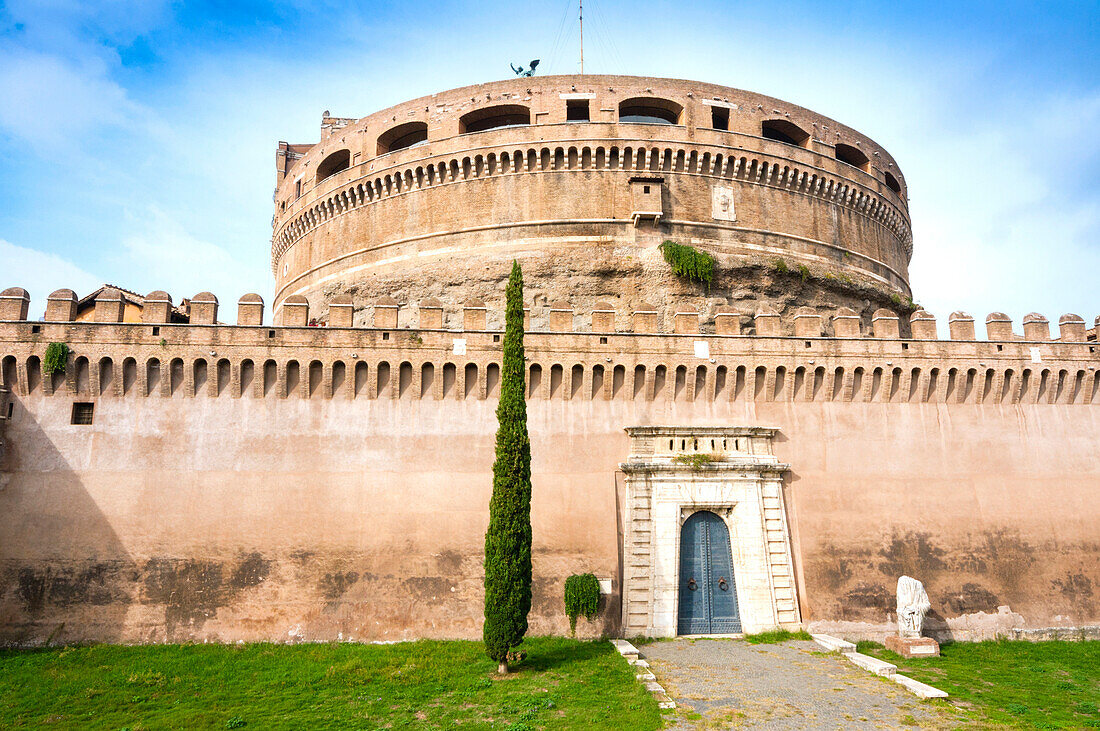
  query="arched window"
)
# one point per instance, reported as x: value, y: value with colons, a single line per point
x: 852, y: 156
x: 402, y: 136
x: 650, y: 110
x: 501, y: 115
x: 786, y: 132
x: 334, y: 163
x: 892, y: 183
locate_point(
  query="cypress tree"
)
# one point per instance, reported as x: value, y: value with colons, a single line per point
x: 508, y: 538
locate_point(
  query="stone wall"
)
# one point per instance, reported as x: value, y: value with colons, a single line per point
x: 258, y: 482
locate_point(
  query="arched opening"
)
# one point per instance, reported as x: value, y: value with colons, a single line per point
x: 892, y: 183
x: 9, y: 375
x: 639, y: 381
x: 852, y: 156
x: 129, y: 375
x: 404, y: 380
x: 784, y: 131
x: 470, y: 380
x: 293, y: 377
x: 106, y: 375
x: 359, y: 380
x: 576, y: 380
x: 80, y: 370
x: 450, y: 375
x: 650, y: 110
x: 402, y: 136
x: 34, y: 373
x: 680, y: 383
x: 339, y: 375
x: 382, y: 380
x: 271, y: 373
x: 152, y: 376
x: 597, y: 381
x: 660, y: 374
x: 534, y: 380
x: 199, y: 375
x: 334, y: 163
x: 700, y: 391
x: 556, y: 376
x: 495, y: 117
x: 316, y: 376
x: 248, y: 374
x: 427, y: 379
x: 492, y: 380
x: 618, y: 379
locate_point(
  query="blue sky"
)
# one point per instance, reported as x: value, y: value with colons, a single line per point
x: 137, y: 137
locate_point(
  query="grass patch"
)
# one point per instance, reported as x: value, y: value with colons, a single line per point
x: 776, y: 636
x: 563, y: 684
x: 1047, y: 685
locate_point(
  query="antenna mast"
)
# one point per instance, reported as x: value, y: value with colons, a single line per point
x: 581, y: 16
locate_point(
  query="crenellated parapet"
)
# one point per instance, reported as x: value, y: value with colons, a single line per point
x: 666, y: 354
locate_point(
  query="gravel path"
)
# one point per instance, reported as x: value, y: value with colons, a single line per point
x: 793, y: 685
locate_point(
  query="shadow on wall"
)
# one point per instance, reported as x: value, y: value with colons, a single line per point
x: 46, y: 519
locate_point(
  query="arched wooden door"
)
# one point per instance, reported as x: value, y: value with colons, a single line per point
x: 708, y: 594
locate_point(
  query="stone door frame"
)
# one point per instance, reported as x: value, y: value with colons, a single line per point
x: 673, y: 472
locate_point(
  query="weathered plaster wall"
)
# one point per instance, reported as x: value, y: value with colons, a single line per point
x: 230, y: 519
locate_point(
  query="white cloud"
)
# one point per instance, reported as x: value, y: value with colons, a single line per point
x: 162, y: 254
x: 40, y: 274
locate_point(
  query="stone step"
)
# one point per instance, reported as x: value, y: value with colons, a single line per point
x: 871, y: 664
x: 625, y: 648
x: 918, y: 688
x: 833, y: 644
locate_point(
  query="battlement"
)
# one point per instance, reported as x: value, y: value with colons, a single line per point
x: 664, y: 355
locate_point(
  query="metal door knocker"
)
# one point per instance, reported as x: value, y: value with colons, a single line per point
x: 722, y: 584
x: 691, y: 583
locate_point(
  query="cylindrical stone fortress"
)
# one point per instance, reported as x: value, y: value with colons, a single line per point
x: 581, y: 178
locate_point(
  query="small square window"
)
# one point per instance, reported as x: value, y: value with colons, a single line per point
x: 905, y: 346
x: 645, y: 189
x: 603, y: 341
x: 36, y: 328
x: 82, y: 413
x: 496, y: 338
x: 271, y: 333
x: 385, y: 336
x: 576, y: 110
x: 156, y: 330
x: 808, y: 344
x: 1000, y: 348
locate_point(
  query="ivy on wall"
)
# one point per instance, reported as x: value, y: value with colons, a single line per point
x: 688, y: 262
x: 57, y: 357
x: 582, y: 597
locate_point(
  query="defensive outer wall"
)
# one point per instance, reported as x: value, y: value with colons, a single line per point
x: 580, y: 178
x: 247, y: 482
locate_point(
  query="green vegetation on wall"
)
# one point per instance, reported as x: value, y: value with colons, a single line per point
x: 689, y: 263
x: 57, y: 357
x: 508, y: 538
x: 582, y: 598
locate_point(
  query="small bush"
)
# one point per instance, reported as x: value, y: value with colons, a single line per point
x: 780, y: 265
x: 582, y: 597
x: 688, y: 262
x: 57, y: 357
x: 696, y: 461
x: 804, y: 271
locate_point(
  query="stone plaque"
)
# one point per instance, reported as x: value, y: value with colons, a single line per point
x: 722, y: 203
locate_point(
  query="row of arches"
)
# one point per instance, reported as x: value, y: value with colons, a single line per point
x: 383, y: 379
x: 755, y: 170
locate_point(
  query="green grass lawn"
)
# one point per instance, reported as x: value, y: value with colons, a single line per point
x: 1048, y: 685
x: 563, y: 684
